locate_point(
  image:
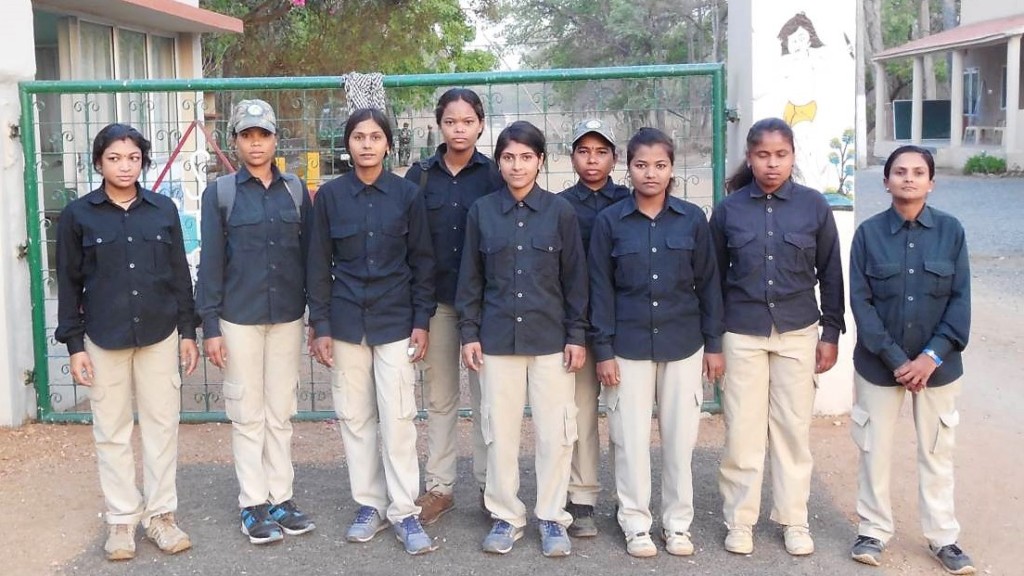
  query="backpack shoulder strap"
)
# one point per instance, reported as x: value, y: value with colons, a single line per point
x: 226, y: 198
x: 424, y: 174
x: 294, y: 186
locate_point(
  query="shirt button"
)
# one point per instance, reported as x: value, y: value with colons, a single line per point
x: 370, y: 205
x: 519, y: 271
x: 769, y: 209
x: 770, y: 257
x: 520, y: 204
x: 520, y: 224
x: 910, y: 324
x: 370, y: 234
x: 771, y: 282
x: 131, y: 265
x: 455, y: 249
x: 520, y: 247
x: 273, y: 266
x: 136, y: 319
x: 135, y: 292
x: 271, y: 220
x: 519, y: 318
x: 655, y: 330
x: 770, y: 233
x: 130, y: 238
x: 654, y: 249
x: 654, y: 276
x: 551, y: 248
x: 456, y: 227
x: 372, y: 260
x: 158, y: 237
x: 655, y: 303
x: 911, y: 245
x: 99, y: 240
x: 769, y: 196
x: 654, y: 224
x: 911, y: 271
x: 910, y: 298
x: 455, y: 203
x: 519, y: 295
x: 271, y: 242
x: 771, y: 304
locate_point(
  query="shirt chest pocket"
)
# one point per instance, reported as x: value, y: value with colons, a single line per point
x: 347, y: 241
x: 744, y: 256
x: 884, y: 280
x: 546, y: 254
x: 494, y: 252
x: 158, y: 245
x: 393, y: 240
x: 940, y: 277
x: 680, y: 250
x: 630, y: 263
x: 291, y: 227
x: 798, y: 252
x: 244, y: 230
x: 102, y: 251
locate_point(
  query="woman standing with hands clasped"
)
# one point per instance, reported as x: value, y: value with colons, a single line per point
x: 371, y: 295
x: 656, y: 303
x: 522, y: 302
x: 126, y: 313
x: 775, y: 240
x: 910, y: 291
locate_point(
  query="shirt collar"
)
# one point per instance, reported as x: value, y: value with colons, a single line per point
x: 243, y: 174
x: 533, y: 199
x: 99, y: 195
x: 671, y: 203
x: 436, y: 159
x: 582, y: 191
x: 926, y: 218
x: 384, y: 183
x: 783, y: 192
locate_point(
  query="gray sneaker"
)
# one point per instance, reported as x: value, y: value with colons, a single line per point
x: 583, y: 525
x: 953, y: 559
x: 367, y: 524
x: 867, y: 550
x: 501, y: 538
x: 554, y: 541
x: 120, y: 544
x: 410, y: 533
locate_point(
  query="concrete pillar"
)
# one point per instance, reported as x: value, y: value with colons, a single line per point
x: 17, y: 63
x: 881, y: 100
x: 917, y: 101
x: 956, y: 96
x: 1012, y: 127
x: 861, y: 137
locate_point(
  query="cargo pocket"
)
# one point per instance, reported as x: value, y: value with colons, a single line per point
x: 95, y: 393
x: 407, y: 407
x: 233, y: 402
x: 569, y: 425
x: 611, y: 397
x: 339, y: 395
x: 859, y: 430
x: 945, y: 436
x: 485, y: 424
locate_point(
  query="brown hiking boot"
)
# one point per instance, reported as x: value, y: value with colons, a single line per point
x: 120, y: 542
x: 433, y: 505
x: 164, y: 532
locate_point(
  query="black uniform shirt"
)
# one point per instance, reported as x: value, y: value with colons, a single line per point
x: 654, y: 287
x: 910, y: 289
x: 252, y: 270
x: 588, y: 203
x: 371, y: 267
x: 122, y: 277
x: 448, y: 198
x: 523, y: 282
x: 772, y: 249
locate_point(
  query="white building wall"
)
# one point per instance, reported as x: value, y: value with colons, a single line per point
x: 972, y: 11
x: 17, y: 63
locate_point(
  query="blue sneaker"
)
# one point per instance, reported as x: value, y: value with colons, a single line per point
x: 410, y: 533
x: 554, y: 541
x: 366, y: 525
x: 292, y: 520
x: 259, y: 527
x: 501, y: 537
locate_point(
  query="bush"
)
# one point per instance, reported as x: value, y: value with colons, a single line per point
x: 984, y: 164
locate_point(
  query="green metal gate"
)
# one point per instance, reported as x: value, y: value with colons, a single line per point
x: 186, y: 122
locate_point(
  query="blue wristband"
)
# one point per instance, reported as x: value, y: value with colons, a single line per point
x: 931, y: 354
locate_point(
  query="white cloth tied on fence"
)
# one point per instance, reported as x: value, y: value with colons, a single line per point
x: 365, y: 90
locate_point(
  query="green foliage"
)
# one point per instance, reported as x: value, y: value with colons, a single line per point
x: 333, y: 37
x: 899, y: 26
x: 984, y: 164
x: 841, y: 156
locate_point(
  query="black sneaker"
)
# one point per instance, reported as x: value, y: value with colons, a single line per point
x: 867, y: 550
x: 292, y: 520
x: 583, y: 525
x: 953, y: 559
x: 258, y: 526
